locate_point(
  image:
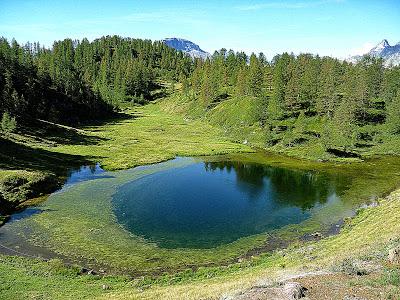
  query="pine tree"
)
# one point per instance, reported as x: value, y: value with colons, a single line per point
x: 255, y: 79
x: 393, y: 118
x: 292, y: 88
x: 328, y: 95
x: 241, y: 82
x: 275, y: 105
x: 344, y: 132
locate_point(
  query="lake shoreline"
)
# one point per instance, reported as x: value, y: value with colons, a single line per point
x: 312, y: 235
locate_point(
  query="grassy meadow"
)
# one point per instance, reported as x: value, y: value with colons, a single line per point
x: 87, y: 233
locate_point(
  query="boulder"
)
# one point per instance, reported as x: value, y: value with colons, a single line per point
x: 352, y: 297
x: 316, y: 235
x: 286, y: 291
x: 294, y: 290
x: 91, y: 272
x: 394, y: 256
x: 83, y: 271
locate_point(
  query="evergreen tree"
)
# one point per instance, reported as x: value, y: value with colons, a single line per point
x: 255, y: 79
x: 393, y: 118
x: 8, y: 123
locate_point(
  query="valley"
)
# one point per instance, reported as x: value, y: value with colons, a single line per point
x: 77, y: 226
x: 259, y: 164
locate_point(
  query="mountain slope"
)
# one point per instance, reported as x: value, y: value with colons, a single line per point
x: 390, y: 54
x: 188, y: 47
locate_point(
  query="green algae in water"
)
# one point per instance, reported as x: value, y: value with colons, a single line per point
x: 80, y: 222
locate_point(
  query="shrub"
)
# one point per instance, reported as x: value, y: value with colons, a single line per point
x: 8, y: 123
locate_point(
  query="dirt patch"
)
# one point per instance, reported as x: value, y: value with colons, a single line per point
x: 341, y: 286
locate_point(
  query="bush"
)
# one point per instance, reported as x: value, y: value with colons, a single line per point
x: 8, y: 123
x: 20, y: 186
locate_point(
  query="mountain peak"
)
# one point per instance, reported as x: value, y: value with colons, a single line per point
x: 187, y: 47
x: 389, y: 54
x: 383, y: 44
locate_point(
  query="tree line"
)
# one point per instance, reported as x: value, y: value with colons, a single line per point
x: 299, y: 97
x: 74, y: 81
x: 306, y: 95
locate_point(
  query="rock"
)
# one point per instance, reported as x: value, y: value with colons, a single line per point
x: 245, y: 142
x: 366, y: 267
x: 91, y: 272
x: 105, y: 287
x: 352, y: 266
x: 394, y: 256
x: 369, y: 205
x: 316, y: 235
x: 294, y: 290
x: 352, y: 297
x: 286, y: 291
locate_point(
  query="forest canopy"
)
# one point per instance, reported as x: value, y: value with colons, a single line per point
x: 304, y: 97
x: 81, y: 80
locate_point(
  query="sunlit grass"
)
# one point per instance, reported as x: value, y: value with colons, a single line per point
x: 368, y: 235
x: 84, y: 227
x: 149, y: 135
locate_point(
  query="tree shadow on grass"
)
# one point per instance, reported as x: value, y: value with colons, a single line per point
x: 16, y: 156
x: 51, y: 134
x: 115, y: 119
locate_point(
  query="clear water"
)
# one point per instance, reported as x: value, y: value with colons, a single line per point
x: 206, y: 204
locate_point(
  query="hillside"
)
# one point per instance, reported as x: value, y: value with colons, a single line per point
x: 360, y: 248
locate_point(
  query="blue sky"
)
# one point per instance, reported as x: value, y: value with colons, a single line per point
x: 326, y: 27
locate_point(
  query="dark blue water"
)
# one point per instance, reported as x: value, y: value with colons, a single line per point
x: 207, y: 204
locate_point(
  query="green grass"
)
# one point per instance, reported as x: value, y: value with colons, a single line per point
x: 23, y: 278
x: 83, y: 228
x: 391, y: 276
x: 141, y: 135
x: 240, y: 119
x: 367, y: 236
x: 149, y: 135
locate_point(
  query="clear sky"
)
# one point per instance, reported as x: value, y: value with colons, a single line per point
x: 326, y: 27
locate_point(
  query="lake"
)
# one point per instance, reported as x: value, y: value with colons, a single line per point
x: 194, y: 210
x: 206, y: 204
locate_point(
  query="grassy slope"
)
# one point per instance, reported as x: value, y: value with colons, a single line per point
x: 158, y: 136
x: 144, y: 135
x: 140, y: 136
x: 239, y: 119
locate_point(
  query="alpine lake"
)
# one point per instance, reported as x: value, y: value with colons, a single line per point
x: 195, y: 211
